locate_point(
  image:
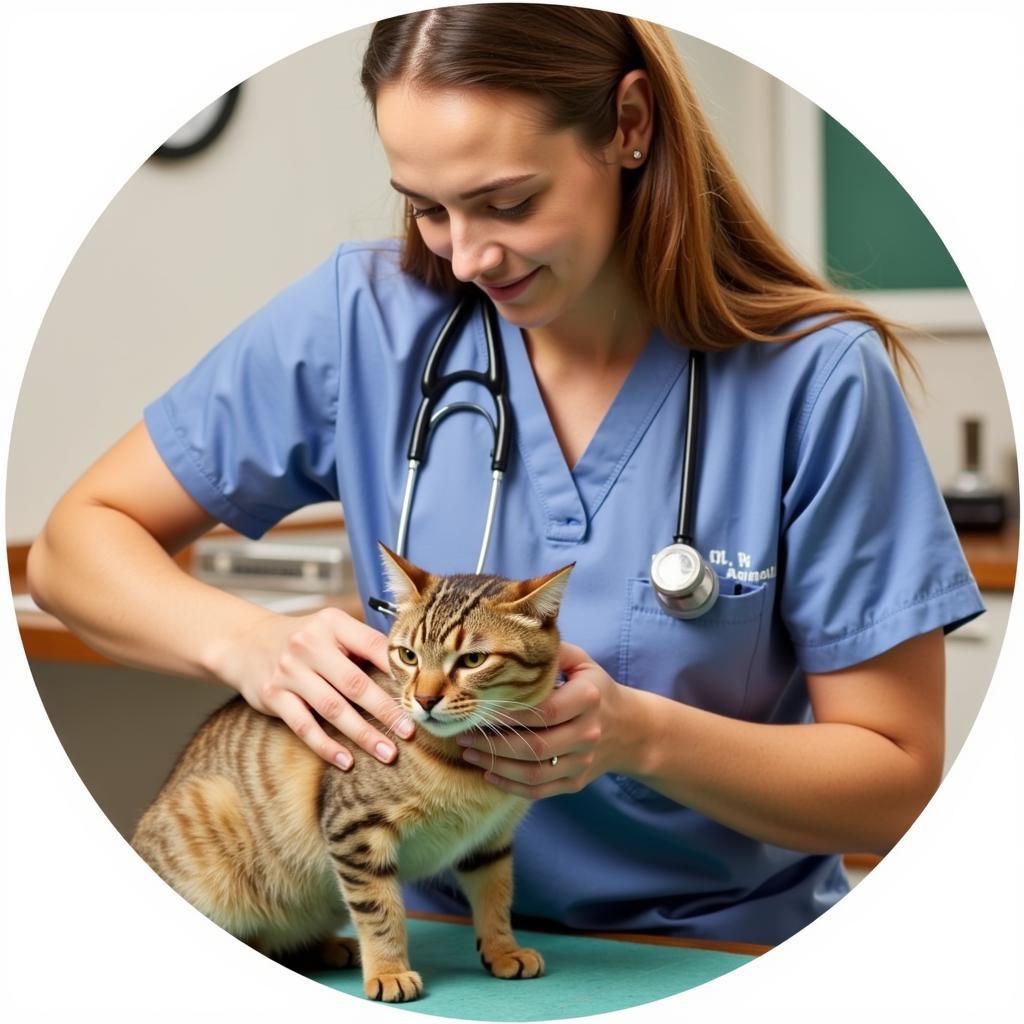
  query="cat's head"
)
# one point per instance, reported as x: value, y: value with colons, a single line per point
x: 468, y: 650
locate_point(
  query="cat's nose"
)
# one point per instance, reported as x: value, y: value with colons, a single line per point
x: 428, y: 702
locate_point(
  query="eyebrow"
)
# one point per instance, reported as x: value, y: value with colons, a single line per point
x: 491, y: 186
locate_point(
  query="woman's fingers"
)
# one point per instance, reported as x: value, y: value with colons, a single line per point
x: 533, y: 780
x: 359, y: 639
x: 349, y: 684
x: 297, y: 716
x: 572, y: 658
x: 315, y: 667
x: 314, y: 693
x: 576, y: 697
x: 519, y: 744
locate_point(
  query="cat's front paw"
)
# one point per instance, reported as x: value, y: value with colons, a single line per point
x: 515, y: 963
x: 394, y: 988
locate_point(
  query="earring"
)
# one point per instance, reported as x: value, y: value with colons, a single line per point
x: 637, y: 155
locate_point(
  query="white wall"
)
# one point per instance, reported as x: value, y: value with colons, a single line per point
x: 185, y: 251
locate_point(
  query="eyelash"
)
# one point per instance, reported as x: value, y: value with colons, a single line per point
x: 509, y: 213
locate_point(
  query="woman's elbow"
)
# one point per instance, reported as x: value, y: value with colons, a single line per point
x: 911, y: 798
x: 37, y: 572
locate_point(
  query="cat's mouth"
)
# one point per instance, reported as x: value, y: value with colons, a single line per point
x: 444, y: 725
x: 483, y: 718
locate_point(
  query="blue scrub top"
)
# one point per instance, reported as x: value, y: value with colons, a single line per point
x: 815, y: 504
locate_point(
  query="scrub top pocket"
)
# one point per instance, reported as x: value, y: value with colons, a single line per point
x: 705, y: 662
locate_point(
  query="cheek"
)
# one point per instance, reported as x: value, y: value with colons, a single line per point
x: 435, y: 237
x: 581, y: 232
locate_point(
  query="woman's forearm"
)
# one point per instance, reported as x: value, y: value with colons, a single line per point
x: 822, y: 787
x: 112, y: 584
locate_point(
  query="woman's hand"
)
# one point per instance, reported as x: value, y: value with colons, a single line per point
x: 290, y: 667
x: 580, y: 727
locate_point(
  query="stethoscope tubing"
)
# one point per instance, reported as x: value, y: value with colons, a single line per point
x: 434, y: 384
x: 684, y: 521
x: 686, y: 596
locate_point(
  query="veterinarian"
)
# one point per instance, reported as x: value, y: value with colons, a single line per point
x: 693, y: 776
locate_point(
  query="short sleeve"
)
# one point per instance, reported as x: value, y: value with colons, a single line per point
x: 870, y: 555
x: 249, y: 431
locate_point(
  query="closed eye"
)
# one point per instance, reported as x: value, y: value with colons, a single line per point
x: 507, y: 212
x: 512, y: 212
x: 428, y: 211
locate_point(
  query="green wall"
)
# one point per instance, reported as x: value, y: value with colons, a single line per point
x: 875, y: 234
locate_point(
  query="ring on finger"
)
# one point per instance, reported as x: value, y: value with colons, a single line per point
x: 554, y: 761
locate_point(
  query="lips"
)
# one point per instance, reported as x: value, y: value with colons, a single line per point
x: 504, y: 292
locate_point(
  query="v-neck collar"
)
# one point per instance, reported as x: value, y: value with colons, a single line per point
x: 571, y: 498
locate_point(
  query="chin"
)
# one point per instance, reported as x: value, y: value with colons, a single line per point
x: 445, y: 730
x: 526, y: 317
x: 529, y: 314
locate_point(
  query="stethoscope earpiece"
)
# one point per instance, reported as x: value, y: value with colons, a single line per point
x: 685, y: 585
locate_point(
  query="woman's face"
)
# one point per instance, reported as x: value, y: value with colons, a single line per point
x: 524, y: 213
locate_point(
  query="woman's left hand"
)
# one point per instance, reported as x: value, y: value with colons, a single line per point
x: 561, y: 745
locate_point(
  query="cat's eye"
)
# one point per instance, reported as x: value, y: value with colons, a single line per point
x: 406, y: 656
x: 473, y: 660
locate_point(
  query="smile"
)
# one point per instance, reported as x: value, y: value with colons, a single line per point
x: 504, y: 292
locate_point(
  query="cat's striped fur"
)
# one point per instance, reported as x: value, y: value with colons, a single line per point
x: 280, y: 849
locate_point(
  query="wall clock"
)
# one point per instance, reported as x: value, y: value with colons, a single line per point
x: 200, y: 131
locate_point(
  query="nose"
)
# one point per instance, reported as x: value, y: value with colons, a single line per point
x: 473, y: 253
x: 427, y: 702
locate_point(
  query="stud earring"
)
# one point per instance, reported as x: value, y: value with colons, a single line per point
x: 637, y: 155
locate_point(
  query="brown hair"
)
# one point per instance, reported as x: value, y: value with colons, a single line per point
x: 707, y: 265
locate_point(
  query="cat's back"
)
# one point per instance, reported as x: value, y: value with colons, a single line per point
x: 244, y: 788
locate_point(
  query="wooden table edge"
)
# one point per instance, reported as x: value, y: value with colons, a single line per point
x: 712, y: 945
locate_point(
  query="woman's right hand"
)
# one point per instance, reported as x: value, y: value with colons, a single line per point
x: 112, y: 534
x: 291, y: 667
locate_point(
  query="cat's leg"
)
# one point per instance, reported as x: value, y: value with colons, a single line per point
x: 336, y: 952
x: 366, y: 863
x: 339, y: 951
x: 486, y: 878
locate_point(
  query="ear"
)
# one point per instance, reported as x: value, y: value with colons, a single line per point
x: 406, y: 582
x: 634, y: 104
x: 540, y: 598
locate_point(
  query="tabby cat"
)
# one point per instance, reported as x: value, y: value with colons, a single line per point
x: 280, y: 849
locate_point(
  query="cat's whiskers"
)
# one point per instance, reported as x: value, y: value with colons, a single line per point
x: 483, y: 732
x: 508, y: 722
x: 519, y: 704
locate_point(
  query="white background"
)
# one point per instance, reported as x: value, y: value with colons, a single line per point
x: 90, y: 89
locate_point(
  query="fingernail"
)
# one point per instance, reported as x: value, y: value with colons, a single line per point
x: 405, y: 728
x: 343, y: 761
x: 385, y: 751
x: 471, y: 756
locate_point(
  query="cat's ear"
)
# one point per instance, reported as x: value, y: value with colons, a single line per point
x: 406, y: 582
x: 541, y: 597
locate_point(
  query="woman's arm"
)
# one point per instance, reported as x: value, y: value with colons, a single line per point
x: 853, y: 780
x: 103, y: 565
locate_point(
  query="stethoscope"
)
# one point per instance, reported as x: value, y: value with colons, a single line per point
x: 685, y: 584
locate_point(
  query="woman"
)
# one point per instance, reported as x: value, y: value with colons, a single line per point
x: 699, y: 777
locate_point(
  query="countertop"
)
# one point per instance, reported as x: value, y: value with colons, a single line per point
x: 992, y: 557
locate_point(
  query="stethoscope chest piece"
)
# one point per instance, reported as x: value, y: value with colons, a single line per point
x: 686, y: 586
